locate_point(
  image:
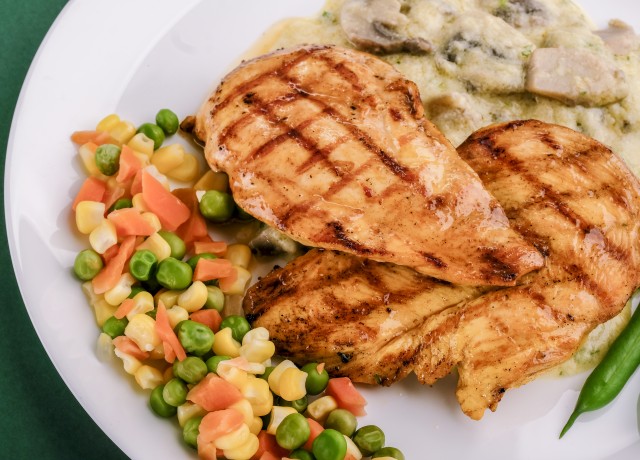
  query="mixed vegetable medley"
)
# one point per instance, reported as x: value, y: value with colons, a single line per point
x: 167, y: 299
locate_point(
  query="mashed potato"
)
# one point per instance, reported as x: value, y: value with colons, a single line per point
x: 473, y: 61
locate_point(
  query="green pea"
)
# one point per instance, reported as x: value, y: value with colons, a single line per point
x: 121, y: 204
x: 191, y: 369
x: 174, y: 392
x: 195, y: 337
x: 301, y: 454
x: 316, y: 381
x: 293, y: 431
x: 153, y: 132
x: 114, y: 327
x: 216, y: 206
x: 212, y: 363
x: 168, y: 121
x: 178, y: 248
x: 143, y: 264
x: 267, y: 372
x: 329, y: 445
x: 107, y: 159
x: 343, y: 421
x: 193, y: 261
x: 299, y: 405
x: 87, y: 265
x: 159, y: 405
x: 191, y: 430
x: 174, y: 274
x: 135, y: 290
x: 369, y: 439
x: 238, y: 324
x: 388, y: 452
x: 215, y: 298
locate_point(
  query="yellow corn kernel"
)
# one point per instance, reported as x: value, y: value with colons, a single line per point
x: 352, y: 449
x: 103, y: 236
x: 320, y: 408
x: 225, y: 345
x: 130, y: 364
x: 244, y: 407
x: 138, y: 203
x: 274, y: 377
x: 234, y: 439
x: 235, y: 376
x: 187, y: 171
x: 292, y: 384
x: 103, y: 311
x: 152, y: 219
x: 278, y: 413
x: 121, y: 290
x: 104, y: 347
x: 157, y: 352
x: 141, y: 143
x: 239, y: 285
x: 213, y: 180
x: 256, y: 346
x: 239, y: 255
x: 232, y: 305
x: 89, y: 214
x: 177, y: 314
x: 142, y: 330
x: 256, y: 425
x: 194, y: 297
x: 188, y: 410
x: 168, y: 297
x: 168, y: 157
x: 92, y: 297
x: 148, y: 377
x: 158, y: 245
x: 245, y: 450
x: 108, y: 123
x: 122, y: 132
x: 143, y: 303
x: 87, y: 153
x: 257, y: 392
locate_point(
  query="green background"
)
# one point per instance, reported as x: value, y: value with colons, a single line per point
x: 39, y: 417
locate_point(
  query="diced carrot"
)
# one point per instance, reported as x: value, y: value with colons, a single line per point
x: 213, y: 393
x: 110, y: 253
x: 346, y: 395
x: 209, y: 317
x: 125, y: 307
x: 136, y: 183
x: 170, y: 210
x: 129, y: 164
x: 128, y: 346
x: 129, y: 221
x: 316, y: 429
x: 97, y: 137
x: 92, y: 189
x: 110, y: 274
x: 269, y: 456
x: 195, y: 228
x: 166, y: 334
x: 213, y: 269
x: 114, y: 192
x: 208, y: 451
x: 169, y: 354
x: 349, y: 457
x: 219, y: 423
x: 215, y: 247
x: 267, y: 444
x: 226, y: 282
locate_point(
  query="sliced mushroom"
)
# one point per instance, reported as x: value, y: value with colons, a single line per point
x: 523, y: 13
x: 486, y: 53
x: 575, y: 76
x: 376, y: 26
x: 619, y: 37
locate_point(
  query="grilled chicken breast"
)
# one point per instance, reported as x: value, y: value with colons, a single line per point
x: 567, y: 194
x: 330, y: 146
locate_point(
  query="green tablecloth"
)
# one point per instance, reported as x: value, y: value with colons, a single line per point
x: 39, y: 417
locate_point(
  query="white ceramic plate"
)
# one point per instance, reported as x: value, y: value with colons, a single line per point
x: 147, y: 54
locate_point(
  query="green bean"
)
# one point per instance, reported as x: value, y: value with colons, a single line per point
x: 267, y: 372
x: 343, y: 421
x: 191, y: 369
x: 142, y: 264
x: 191, y: 430
x: 135, y: 290
x: 293, y: 431
x: 329, y: 445
x: 195, y: 337
x: 108, y: 159
x: 369, y: 439
x: 178, y: 247
x: 159, y: 405
x: 114, y: 327
x: 153, y: 132
x: 388, y: 452
x: 174, y: 274
x: 168, y: 121
x: 87, y: 265
x: 121, y: 203
x: 238, y: 324
x: 316, y: 381
x: 610, y: 376
x: 174, y: 392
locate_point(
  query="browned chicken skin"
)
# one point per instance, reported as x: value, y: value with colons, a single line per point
x: 331, y: 147
x: 567, y: 194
